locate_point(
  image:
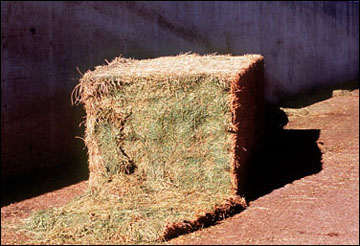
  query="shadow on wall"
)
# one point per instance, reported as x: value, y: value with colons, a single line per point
x: 42, y: 181
x: 286, y: 155
x: 305, y: 99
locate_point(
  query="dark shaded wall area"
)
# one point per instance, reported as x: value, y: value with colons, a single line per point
x: 305, y: 45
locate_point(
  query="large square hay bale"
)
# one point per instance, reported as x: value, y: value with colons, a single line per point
x: 170, y: 137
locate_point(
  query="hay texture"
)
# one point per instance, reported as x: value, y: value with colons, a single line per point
x: 171, y: 111
x: 168, y: 140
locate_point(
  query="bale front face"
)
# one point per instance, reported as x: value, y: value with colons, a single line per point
x: 172, y: 135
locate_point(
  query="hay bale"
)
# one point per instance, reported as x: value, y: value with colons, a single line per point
x: 170, y: 137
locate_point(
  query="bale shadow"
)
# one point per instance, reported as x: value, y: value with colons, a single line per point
x: 285, y: 156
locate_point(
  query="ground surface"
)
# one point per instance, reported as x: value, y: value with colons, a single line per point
x: 304, y: 188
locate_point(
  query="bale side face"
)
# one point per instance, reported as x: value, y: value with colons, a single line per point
x: 248, y: 121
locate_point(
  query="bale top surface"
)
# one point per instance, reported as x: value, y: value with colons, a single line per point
x: 225, y: 66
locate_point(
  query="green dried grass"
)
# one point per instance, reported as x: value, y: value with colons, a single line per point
x: 160, y: 151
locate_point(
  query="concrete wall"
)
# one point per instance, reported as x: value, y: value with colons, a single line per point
x: 305, y: 45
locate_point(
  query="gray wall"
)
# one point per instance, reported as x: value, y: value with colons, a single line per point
x: 305, y: 45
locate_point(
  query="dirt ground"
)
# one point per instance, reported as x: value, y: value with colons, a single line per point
x: 303, y: 189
